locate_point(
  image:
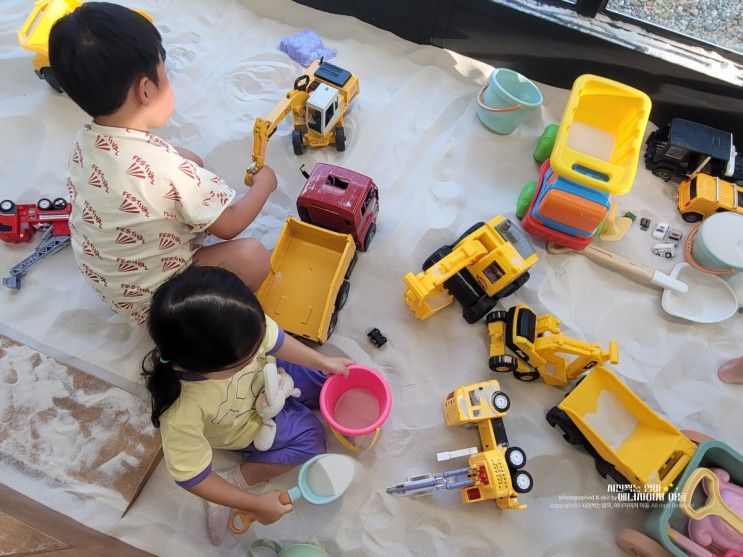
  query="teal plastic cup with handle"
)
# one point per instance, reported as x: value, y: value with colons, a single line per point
x: 506, y: 100
x: 321, y: 480
x: 295, y: 550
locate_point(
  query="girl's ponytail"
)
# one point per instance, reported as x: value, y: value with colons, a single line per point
x: 162, y: 382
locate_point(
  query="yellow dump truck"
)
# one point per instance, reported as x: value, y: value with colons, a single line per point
x: 702, y: 195
x: 34, y: 33
x: 309, y: 279
x: 628, y: 441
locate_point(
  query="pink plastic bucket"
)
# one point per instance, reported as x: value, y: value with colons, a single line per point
x: 356, y: 405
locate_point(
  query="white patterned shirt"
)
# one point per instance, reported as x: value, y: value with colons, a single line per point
x: 139, y: 211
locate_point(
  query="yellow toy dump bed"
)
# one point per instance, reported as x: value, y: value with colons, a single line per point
x: 643, y: 447
x: 34, y: 34
x: 307, y: 283
x: 600, y: 136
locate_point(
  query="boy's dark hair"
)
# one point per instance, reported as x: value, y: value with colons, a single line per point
x: 98, y: 51
x: 202, y: 320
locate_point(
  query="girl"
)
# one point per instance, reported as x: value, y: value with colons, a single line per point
x: 212, y: 341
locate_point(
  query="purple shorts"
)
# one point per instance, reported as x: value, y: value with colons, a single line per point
x: 299, y: 434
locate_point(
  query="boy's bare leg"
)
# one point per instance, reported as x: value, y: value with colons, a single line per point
x: 190, y: 155
x: 245, y: 257
x: 732, y: 371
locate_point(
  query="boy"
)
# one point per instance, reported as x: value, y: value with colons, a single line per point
x: 140, y: 206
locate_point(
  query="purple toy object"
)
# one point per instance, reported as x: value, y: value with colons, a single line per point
x: 305, y: 47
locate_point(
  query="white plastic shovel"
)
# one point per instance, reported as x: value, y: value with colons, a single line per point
x: 638, y: 271
x: 687, y: 293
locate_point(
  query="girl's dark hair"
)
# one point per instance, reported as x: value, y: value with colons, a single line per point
x: 98, y: 51
x: 202, y: 320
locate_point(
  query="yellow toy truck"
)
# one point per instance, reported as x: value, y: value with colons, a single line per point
x: 540, y: 347
x: 629, y: 442
x: 496, y: 471
x: 702, y: 195
x: 34, y: 33
x: 308, y: 282
x: 487, y: 263
x: 319, y: 100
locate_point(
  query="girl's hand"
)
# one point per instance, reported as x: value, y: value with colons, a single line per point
x: 269, y: 509
x: 335, y: 365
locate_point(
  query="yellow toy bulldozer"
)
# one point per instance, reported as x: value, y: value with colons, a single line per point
x: 488, y: 262
x: 539, y: 347
x: 318, y: 102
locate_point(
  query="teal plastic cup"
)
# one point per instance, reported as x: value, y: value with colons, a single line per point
x: 718, y: 244
x: 506, y: 100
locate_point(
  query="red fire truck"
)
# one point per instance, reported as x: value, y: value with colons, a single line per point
x: 19, y: 223
x: 340, y: 200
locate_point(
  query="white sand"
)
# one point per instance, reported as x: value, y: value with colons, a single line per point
x: 414, y: 130
x: 356, y: 409
x: 611, y: 420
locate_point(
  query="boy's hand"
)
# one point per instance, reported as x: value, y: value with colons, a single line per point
x: 335, y: 366
x: 265, y: 178
x: 269, y: 509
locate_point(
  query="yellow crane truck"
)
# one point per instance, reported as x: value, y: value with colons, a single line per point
x: 540, y: 347
x: 488, y: 262
x: 317, y: 102
x: 495, y: 472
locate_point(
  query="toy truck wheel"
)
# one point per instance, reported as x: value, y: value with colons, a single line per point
x: 691, y: 216
x: 436, y: 256
x: 638, y: 544
x: 514, y: 286
x: 59, y: 204
x: 498, y: 315
x: 342, y: 297
x: 515, y: 457
x: 369, y: 235
x: 500, y: 401
x: 479, y: 309
x: 297, y: 143
x: 503, y: 364
x: 351, y: 265
x: 333, y: 323
x: 663, y: 173
x: 522, y: 482
x: 47, y: 74
x: 340, y: 138
x: 524, y: 199
x: 7, y: 206
x: 532, y: 375
x: 469, y: 231
x: 44, y: 204
x: 558, y: 418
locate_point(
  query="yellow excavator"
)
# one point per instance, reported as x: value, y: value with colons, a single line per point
x: 539, y: 347
x: 318, y: 102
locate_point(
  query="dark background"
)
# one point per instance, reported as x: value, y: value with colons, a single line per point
x: 550, y: 53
